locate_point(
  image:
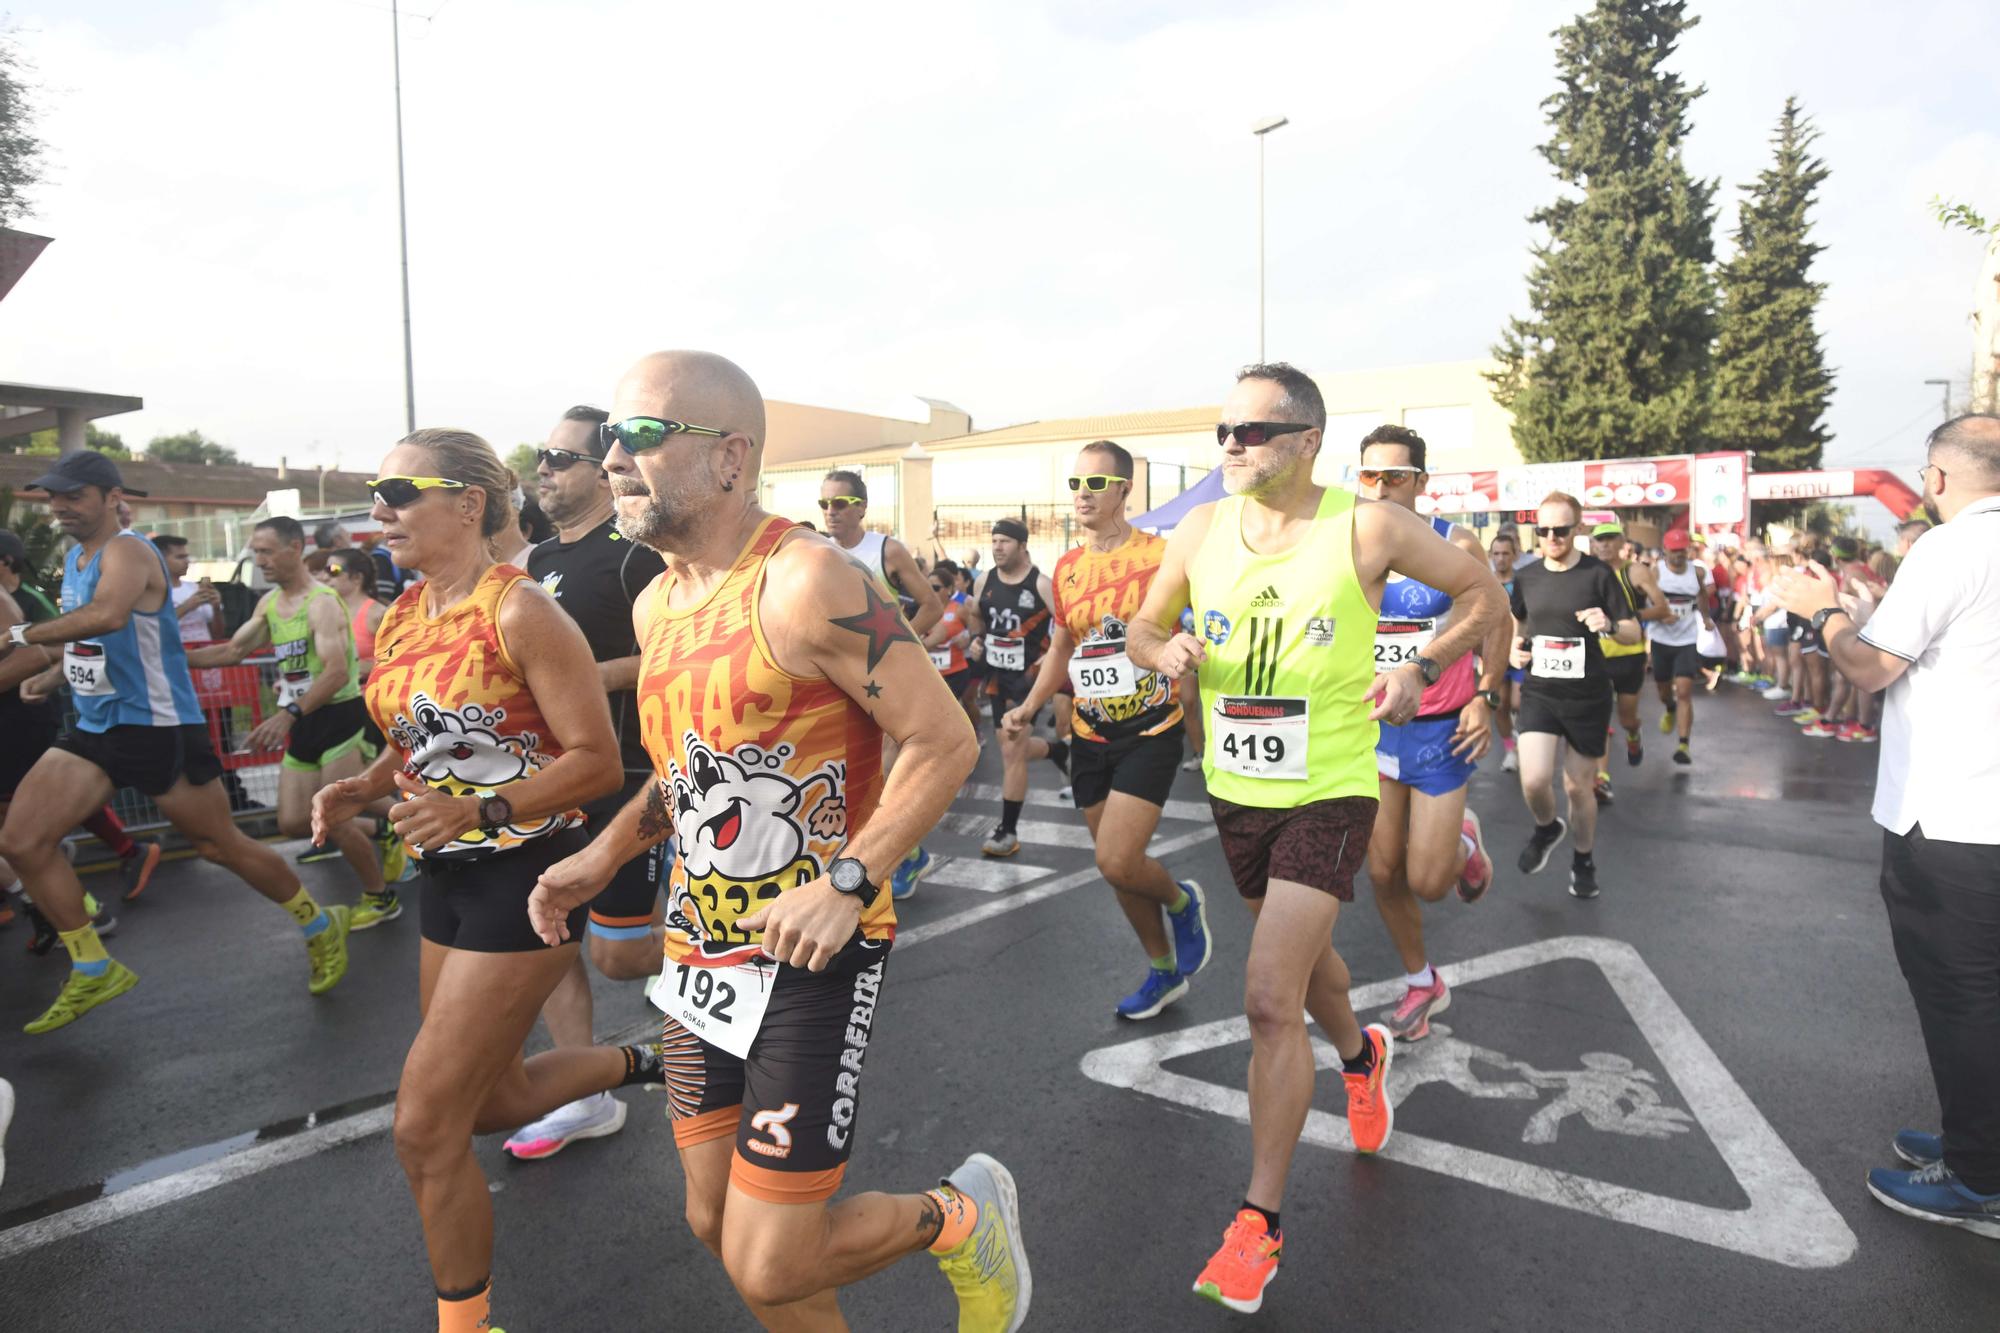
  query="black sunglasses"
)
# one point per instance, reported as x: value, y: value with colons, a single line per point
x: 639, y: 434
x: 1095, y: 482
x: 560, y: 460
x: 1558, y: 530
x: 1250, y: 433
x: 402, y: 492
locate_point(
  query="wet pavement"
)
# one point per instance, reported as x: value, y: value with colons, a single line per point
x: 1651, y: 1111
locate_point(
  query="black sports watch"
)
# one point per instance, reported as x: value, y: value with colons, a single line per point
x: 1430, y: 669
x: 495, y: 813
x: 294, y: 709
x: 850, y: 877
x: 1820, y: 617
x: 1492, y: 698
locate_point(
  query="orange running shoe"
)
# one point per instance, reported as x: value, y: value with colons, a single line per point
x: 1244, y: 1266
x: 1370, y: 1116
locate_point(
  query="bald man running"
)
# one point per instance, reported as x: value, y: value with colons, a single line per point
x: 771, y: 668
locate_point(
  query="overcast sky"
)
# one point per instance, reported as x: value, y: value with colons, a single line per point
x: 1030, y: 210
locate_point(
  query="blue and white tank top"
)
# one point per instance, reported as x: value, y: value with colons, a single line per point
x: 1408, y: 622
x: 135, y: 677
x: 1407, y: 599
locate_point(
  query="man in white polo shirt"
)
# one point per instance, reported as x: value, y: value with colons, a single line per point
x: 1934, y: 644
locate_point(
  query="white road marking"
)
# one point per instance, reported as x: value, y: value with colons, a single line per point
x: 1789, y: 1220
x: 982, y: 874
x: 1195, y: 811
x: 1037, y: 831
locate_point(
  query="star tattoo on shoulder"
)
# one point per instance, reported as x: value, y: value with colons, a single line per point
x: 874, y: 690
x: 881, y: 624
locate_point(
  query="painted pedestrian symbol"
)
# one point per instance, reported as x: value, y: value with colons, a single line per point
x: 1788, y: 1219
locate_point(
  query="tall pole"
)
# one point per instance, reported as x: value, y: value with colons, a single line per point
x: 1944, y: 391
x: 403, y: 227
x: 1260, y: 129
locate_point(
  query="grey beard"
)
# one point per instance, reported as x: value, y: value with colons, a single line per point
x: 657, y: 526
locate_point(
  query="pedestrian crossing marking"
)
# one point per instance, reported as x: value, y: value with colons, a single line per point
x: 982, y: 874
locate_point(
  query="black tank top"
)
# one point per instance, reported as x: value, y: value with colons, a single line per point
x: 1016, y: 611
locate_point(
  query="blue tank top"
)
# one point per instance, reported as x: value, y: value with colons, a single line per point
x: 1407, y: 599
x: 135, y: 677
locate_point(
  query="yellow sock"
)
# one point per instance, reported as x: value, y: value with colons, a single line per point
x: 306, y: 912
x: 466, y: 1314
x: 86, y: 951
x: 960, y: 1215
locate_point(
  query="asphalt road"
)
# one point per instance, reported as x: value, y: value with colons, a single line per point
x: 1652, y: 1111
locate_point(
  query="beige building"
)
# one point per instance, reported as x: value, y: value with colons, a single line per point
x: 1986, y: 333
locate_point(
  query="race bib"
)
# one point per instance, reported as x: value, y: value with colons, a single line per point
x: 1558, y: 659
x: 1399, y: 642
x: 941, y: 658
x: 724, y: 1006
x: 86, y: 669
x: 1101, y: 670
x: 292, y: 686
x: 1006, y: 654
x: 1257, y: 736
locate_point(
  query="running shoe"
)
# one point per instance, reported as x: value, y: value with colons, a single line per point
x: 1191, y: 764
x: 1792, y: 708
x: 1155, y: 993
x: 100, y: 917
x: 1634, y: 750
x: 81, y: 994
x: 989, y: 1271
x: 1477, y: 877
x: 1681, y: 755
x: 6, y: 1119
x: 1934, y: 1193
x: 45, y: 937
x: 397, y: 865
x: 328, y: 951
x: 6, y: 913
x: 1667, y: 723
x: 595, y: 1117
x: 313, y: 855
x: 1583, y: 880
x: 1602, y: 790
x: 1410, y: 1020
x: 1776, y: 692
x: 1371, y: 1116
x: 1237, y: 1273
x: 1861, y: 735
x: 1067, y: 795
x: 1918, y: 1148
x: 1820, y: 730
x: 1536, y: 854
x: 1711, y: 678
x: 903, y: 880
x: 374, y: 909
x: 1190, y: 927
x: 137, y: 869
x: 1004, y: 842
x: 1510, y: 762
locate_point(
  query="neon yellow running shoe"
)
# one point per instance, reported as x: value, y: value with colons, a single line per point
x: 328, y: 951
x: 989, y: 1271
x: 81, y: 994
x: 1667, y: 723
x: 374, y: 909
x: 396, y: 864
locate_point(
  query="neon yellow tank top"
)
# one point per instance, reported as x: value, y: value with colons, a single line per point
x: 1291, y: 653
x: 1609, y: 643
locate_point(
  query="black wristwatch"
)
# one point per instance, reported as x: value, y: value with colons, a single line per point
x: 1430, y: 669
x: 1819, y: 617
x: 495, y: 813
x: 850, y: 877
x: 296, y: 711
x: 1492, y: 698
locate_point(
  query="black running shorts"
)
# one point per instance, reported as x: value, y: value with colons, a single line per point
x: 625, y: 909
x: 1141, y: 766
x: 1675, y: 659
x: 794, y: 1105
x: 149, y: 759
x: 336, y: 727
x: 1321, y: 845
x: 29, y: 731
x: 1581, y: 722
x: 1628, y: 673
x: 1009, y: 688
x: 481, y: 905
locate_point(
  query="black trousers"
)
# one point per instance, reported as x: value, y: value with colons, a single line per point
x: 1944, y: 916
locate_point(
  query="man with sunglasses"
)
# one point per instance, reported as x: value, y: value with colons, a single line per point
x: 118, y: 647
x: 1126, y: 744
x: 1562, y: 603
x: 595, y: 575
x: 1286, y: 578
x: 843, y: 505
x: 1426, y: 841
x: 1008, y: 615
x: 771, y: 668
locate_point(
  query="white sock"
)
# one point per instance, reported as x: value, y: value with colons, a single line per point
x: 1423, y: 980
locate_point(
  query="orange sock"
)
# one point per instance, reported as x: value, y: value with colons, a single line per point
x: 960, y: 1214
x: 466, y: 1313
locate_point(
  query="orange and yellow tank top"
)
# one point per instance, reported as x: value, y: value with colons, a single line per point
x: 1097, y: 593
x: 448, y: 694
x: 766, y: 774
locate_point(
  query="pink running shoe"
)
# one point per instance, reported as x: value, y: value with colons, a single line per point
x: 1477, y: 877
x: 1820, y: 729
x: 1410, y: 1020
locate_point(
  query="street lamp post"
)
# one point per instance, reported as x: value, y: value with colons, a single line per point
x: 403, y: 226
x: 1260, y: 129
x: 1944, y: 390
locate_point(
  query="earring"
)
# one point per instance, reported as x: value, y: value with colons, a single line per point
x: 729, y: 485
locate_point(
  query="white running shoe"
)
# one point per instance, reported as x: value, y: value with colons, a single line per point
x: 1777, y: 692
x: 587, y: 1118
x: 6, y: 1119
x: 1510, y: 762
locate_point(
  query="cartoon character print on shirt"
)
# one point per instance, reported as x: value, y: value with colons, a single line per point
x: 1155, y: 690
x: 462, y: 751
x: 744, y: 832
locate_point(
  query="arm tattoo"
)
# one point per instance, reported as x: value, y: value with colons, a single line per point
x: 654, y: 823
x: 930, y: 1220
x: 881, y: 624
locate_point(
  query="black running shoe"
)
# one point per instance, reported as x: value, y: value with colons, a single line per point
x: 1583, y: 880
x: 1682, y: 757
x: 45, y: 937
x: 1536, y: 854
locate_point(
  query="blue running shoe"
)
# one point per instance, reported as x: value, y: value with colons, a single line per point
x: 1935, y: 1194
x: 1918, y: 1148
x: 1160, y: 990
x: 1191, y: 930
x: 903, y: 881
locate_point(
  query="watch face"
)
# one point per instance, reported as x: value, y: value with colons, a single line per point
x: 848, y: 875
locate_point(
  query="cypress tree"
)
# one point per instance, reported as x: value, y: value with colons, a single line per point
x: 1613, y: 361
x: 1771, y: 379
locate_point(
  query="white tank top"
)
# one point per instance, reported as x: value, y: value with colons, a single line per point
x: 869, y: 552
x: 1682, y: 590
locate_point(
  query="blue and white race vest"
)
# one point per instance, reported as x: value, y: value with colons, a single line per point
x: 135, y: 677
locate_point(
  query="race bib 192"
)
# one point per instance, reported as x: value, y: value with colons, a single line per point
x: 1260, y: 736
x: 724, y: 1006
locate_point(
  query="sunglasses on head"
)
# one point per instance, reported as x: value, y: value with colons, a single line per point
x: 1556, y: 530
x: 402, y: 492
x: 639, y: 434
x: 1096, y: 481
x: 1249, y: 433
x: 1375, y: 476
x: 834, y: 504
x: 560, y: 460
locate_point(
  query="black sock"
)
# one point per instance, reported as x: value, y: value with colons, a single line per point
x: 1010, y: 812
x: 1361, y: 1063
x: 1270, y: 1216
x: 1582, y: 861
x: 642, y: 1065
x: 1547, y: 830
x: 1059, y: 755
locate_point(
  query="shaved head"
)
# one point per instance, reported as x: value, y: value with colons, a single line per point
x: 700, y: 388
x: 665, y: 496
x: 1972, y: 444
